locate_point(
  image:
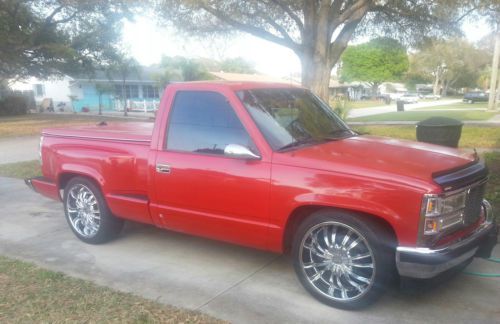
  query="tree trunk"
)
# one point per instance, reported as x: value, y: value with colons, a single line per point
x: 494, y: 73
x: 435, y: 88
x: 316, y: 75
x: 124, y: 96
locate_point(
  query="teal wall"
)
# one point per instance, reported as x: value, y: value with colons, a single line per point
x: 90, y: 99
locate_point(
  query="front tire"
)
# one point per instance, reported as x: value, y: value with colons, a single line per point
x: 87, y: 213
x: 342, y: 259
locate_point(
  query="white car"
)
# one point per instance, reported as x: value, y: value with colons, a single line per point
x: 409, y: 98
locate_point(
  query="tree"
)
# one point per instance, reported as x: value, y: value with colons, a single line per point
x: 318, y: 31
x: 379, y: 60
x: 237, y: 65
x: 123, y: 67
x: 180, y: 68
x: 450, y: 63
x: 102, y: 89
x: 46, y: 37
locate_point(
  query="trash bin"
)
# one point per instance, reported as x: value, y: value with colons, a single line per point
x: 440, y: 130
x: 401, y: 105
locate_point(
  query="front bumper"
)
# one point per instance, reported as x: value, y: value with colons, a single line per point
x: 423, y: 263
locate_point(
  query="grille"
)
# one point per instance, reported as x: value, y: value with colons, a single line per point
x: 473, y: 204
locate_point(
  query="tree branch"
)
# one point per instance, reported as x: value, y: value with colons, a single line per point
x: 290, y: 13
x: 256, y: 31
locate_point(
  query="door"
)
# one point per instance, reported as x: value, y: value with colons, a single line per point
x: 201, y: 190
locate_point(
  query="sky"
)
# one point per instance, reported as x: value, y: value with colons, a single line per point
x: 147, y: 42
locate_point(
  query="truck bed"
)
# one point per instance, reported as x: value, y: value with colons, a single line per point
x: 129, y: 131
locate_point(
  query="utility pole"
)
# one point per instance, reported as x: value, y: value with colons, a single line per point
x: 494, y: 73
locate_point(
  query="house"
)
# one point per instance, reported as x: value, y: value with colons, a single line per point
x: 81, y: 93
x: 349, y: 90
x: 392, y: 88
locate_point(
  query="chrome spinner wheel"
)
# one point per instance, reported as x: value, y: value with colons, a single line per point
x: 83, y: 211
x: 337, y: 261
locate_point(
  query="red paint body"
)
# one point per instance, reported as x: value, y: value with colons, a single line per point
x: 247, y: 202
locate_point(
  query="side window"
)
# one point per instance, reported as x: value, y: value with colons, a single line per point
x: 204, y: 122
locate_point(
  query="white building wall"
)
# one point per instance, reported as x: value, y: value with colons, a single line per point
x: 57, y: 89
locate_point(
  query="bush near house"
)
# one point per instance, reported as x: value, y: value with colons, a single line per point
x: 13, y: 105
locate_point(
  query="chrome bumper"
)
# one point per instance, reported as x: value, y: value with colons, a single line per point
x: 426, y: 263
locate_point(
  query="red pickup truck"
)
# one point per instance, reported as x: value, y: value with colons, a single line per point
x: 270, y: 166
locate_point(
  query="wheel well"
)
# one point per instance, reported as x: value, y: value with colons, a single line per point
x: 301, y: 213
x: 66, y: 177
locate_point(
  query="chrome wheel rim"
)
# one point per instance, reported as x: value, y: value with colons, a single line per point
x: 83, y: 211
x: 337, y: 261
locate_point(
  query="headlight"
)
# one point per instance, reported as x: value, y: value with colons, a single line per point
x: 443, y: 212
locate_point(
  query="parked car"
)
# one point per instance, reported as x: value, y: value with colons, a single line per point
x: 475, y: 96
x: 409, y: 98
x: 270, y: 166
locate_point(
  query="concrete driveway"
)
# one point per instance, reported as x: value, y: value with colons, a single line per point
x: 230, y: 282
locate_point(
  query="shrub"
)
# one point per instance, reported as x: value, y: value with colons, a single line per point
x: 340, y: 107
x: 13, y: 105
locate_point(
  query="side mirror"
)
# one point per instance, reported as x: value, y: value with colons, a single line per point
x: 239, y: 151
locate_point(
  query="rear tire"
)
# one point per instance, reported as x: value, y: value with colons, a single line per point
x: 88, y: 214
x: 344, y: 260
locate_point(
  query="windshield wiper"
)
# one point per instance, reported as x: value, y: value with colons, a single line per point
x: 300, y: 142
x: 341, y: 133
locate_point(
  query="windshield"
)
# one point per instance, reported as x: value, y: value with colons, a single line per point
x: 290, y: 117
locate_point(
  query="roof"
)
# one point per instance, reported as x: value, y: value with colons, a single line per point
x: 233, y: 85
x: 339, y: 84
x: 250, y: 77
x: 144, y: 74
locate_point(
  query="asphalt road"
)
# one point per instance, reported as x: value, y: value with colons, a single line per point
x: 230, y: 282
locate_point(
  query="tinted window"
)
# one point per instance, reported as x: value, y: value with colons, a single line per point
x: 204, y: 122
x: 292, y: 116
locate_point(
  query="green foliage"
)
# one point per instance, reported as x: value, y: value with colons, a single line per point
x: 13, y: 105
x: 237, y: 65
x: 180, y: 68
x: 341, y: 107
x: 379, y: 60
x: 456, y: 63
x: 44, y: 37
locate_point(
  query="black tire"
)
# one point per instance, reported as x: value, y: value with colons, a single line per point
x: 376, y: 241
x: 108, y: 227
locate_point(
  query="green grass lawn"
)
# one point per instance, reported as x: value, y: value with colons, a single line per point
x: 32, y: 124
x: 460, y: 105
x: 421, y: 115
x: 21, y: 170
x: 29, y: 294
x: 472, y: 136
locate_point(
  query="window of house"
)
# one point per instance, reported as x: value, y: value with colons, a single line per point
x: 39, y: 90
x: 128, y: 91
x: 149, y: 91
x: 204, y: 122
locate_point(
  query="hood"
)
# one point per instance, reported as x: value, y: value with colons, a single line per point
x: 379, y: 157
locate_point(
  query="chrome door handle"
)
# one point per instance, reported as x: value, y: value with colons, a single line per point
x: 163, y: 168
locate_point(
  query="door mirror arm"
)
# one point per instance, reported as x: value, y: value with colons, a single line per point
x: 239, y: 151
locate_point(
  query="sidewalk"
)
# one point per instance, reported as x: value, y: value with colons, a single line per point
x: 361, y: 112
